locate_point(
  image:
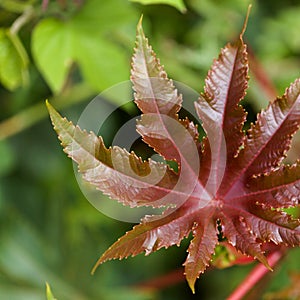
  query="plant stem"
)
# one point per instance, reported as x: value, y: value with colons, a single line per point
x: 257, y: 273
x: 30, y: 116
x: 27, y: 15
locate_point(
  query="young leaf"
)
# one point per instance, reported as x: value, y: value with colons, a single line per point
x: 242, y: 185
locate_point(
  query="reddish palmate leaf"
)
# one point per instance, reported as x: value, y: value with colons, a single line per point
x: 233, y: 184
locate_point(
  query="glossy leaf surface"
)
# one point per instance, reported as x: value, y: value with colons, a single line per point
x: 240, y: 185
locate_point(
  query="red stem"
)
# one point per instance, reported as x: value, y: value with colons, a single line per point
x: 255, y: 275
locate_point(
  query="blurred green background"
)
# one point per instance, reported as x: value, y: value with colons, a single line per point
x: 68, y: 52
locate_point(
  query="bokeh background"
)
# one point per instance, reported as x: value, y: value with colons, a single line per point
x: 70, y: 51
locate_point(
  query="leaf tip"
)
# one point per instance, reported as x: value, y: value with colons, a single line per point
x: 265, y: 262
x: 140, y: 21
x: 50, y: 108
x: 97, y: 264
x: 268, y: 267
x: 246, y: 20
x: 94, y: 268
x: 140, y: 36
x: 191, y: 283
x: 47, y: 104
x: 140, y: 24
x: 54, y: 115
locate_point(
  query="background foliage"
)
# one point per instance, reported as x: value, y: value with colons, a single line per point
x: 68, y: 52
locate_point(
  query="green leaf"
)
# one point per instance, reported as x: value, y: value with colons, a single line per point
x: 13, y: 60
x: 178, y: 4
x: 86, y: 39
x: 102, y: 63
x: 52, y: 46
x: 49, y: 293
